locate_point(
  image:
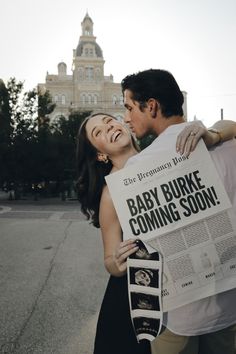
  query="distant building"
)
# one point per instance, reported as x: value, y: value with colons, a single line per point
x: 86, y: 89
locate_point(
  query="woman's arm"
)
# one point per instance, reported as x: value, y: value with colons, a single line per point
x: 116, y: 251
x: 221, y: 131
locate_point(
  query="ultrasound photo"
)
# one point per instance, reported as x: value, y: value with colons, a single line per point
x: 147, y: 325
x: 140, y: 301
x: 144, y: 276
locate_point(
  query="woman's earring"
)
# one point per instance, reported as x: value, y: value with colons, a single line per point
x: 102, y: 158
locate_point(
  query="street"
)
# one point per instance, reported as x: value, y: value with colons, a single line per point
x: 52, y: 278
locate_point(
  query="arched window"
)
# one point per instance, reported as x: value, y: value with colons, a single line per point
x: 121, y: 100
x: 89, y: 99
x: 63, y: 99
x: 83, y: 98
x: 56, y: 98
x: 87, y: 31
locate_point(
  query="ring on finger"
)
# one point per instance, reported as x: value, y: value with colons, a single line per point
x: 192, y: 134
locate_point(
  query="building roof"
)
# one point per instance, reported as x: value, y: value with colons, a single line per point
x: 79, y: 49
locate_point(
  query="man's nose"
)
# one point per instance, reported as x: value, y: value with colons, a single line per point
x: 127, y: 117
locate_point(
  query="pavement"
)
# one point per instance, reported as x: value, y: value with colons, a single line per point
x: 52, y: 278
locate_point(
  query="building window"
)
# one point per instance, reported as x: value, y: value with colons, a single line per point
x: 56, y: 98
x: 114, y: 99
x: 63, y: 99
x: 80, y: 73
x: 89, y: 73
x: 86, y: 52
x: 95, y: 98
x: 98, y: 74
x: 91, y: 52
x: 121, y: 100
x: 89, y: 99
x: 83, y: 98
x: 87, y: 31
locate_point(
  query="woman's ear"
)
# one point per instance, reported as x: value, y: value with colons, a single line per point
x: 153, y: 107
x: 102, y: 157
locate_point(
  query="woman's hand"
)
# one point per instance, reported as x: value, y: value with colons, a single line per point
x: 123, y: 251
x: 188, y: 139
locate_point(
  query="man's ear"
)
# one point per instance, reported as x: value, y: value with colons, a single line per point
x: 102, y: 157
x: 153, y: 107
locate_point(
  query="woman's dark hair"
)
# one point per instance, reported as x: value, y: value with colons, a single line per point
x: 158, y: 84
x: 91, y: 173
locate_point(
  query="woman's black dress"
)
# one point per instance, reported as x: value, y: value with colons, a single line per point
x: 115, y: 333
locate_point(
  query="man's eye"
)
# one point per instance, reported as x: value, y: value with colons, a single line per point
x: 97, y: 132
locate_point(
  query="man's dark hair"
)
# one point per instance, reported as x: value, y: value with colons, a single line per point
x: 158, y: 84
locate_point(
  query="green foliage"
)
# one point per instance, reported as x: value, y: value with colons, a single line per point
x: 45, y: 107
x: 65, y: 136
x: 34, y: 151
x: 6, y: 129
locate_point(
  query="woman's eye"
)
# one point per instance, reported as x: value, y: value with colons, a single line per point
x: 97, y: 132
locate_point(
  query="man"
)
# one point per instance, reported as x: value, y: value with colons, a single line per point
x: 154, y: 106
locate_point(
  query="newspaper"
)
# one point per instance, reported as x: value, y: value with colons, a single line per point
x: 179, y: 206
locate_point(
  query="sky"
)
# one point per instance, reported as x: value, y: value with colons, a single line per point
x: 193, y: 39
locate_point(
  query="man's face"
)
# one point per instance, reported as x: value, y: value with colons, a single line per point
x: 137, y: 120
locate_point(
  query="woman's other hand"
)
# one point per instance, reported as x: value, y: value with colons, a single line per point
x: 123, y: 251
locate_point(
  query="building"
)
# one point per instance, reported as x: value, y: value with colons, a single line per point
x: 86, y: 89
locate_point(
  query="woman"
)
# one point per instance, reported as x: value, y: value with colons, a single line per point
x: 104, y: 146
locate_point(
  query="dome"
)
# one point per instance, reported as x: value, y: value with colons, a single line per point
x: 79, y: 49
x: 62, y: 63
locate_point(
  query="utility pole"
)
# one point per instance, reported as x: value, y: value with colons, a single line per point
x: 221, y: 114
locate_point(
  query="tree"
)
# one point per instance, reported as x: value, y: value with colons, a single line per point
x: 23, y: 107
x: 36, y: 150
x: 66, y: 131
x: 45, y: 107
x: 6, y: 129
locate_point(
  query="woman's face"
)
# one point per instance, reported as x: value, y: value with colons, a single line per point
x: 107, y: 135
